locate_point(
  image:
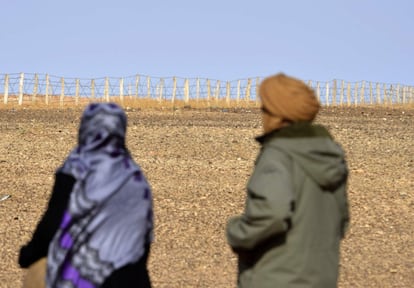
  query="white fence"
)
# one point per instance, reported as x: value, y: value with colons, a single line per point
x: 24, y: 88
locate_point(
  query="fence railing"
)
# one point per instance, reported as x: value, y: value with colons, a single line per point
x: 24, y: 88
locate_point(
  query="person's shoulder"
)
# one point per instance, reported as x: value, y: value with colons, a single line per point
x: 272, y: 156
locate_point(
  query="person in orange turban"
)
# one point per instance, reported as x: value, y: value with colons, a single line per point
x: 296, y: 210
x: 286, y: 100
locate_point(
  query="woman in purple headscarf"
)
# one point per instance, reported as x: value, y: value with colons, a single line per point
x: 98, y: 226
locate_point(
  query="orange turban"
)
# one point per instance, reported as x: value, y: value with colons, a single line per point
x: 286, y: 99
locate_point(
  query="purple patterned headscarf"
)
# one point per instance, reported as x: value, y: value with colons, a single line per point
x: 109, y: 220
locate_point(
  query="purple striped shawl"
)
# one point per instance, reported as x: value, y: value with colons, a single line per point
x: 109, y: 218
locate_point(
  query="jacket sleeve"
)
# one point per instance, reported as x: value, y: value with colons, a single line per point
x: 342, y: 200
x: 269, y: 202
x: 49, y: 223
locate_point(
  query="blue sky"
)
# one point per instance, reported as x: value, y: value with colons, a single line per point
x: 226, y: 40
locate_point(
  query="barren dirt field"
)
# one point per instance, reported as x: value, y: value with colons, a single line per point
x: 198, y: 162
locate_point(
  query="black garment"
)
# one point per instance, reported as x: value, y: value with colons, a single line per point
x: 131, y: 275
x: 38, y: 246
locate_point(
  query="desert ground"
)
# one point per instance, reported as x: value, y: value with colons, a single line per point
x: 198, y: 162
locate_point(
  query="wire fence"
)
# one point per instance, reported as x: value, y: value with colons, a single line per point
x: 22, y: 88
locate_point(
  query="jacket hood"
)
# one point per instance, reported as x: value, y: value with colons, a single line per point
x: 312, y: 147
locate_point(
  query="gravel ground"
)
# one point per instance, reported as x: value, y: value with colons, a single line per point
x: 198, y: 162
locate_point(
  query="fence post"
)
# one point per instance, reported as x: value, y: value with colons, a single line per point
x: 407, y: 95
x: 208, y: 91
x: 371, y: 94
x: 378, y: 91
x: 161, y: 90
x: 310, y: 86
x: 228, y: 93
x: 248, y: 90
x: 93, y: 89
x: 318, y: 91
x: 238, y: 91
x: 106, y: 89
x: 21, y: 86
x: 137, y: 86
x: 398, y: 94
x: 385, y: 94
x: 348, y: 94
x: 121, y: 90
x: 356, y: 94
x: 334, y: 87
x: 217, y: 91
x: 391, y: 94
x: 47, y: 89
x: 62, y: 91
x: 186, y: 92
x: 341, y: 100
x: 257, y: 91
x: 6, y: 88
x: 327, y: 94
x: 362, y: 94
x: 197, y: 89
x: 148, y: 87
x: 35, y: 87
x: 174, y: 90
x: 77, y: 91
x: 404, y: 91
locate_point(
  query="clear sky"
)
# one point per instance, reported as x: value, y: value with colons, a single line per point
x: 319, y: 40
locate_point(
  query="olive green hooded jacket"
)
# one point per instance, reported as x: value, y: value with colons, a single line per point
x: 296, y: 211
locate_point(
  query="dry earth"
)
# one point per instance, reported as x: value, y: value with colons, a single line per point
x: 198, y: 163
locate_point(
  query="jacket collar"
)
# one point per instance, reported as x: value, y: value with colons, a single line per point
x: 303, y: 129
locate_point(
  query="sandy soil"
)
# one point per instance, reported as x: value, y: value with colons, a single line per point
x: 198, y: 163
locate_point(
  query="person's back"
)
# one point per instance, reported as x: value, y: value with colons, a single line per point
x: 98, y: 227
x: 309, y: 255
x: 296, y: 209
